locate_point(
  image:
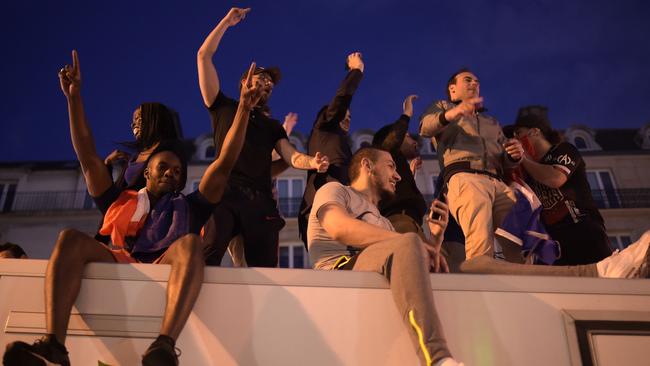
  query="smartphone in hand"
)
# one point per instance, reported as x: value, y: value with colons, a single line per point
x: 442, y: 197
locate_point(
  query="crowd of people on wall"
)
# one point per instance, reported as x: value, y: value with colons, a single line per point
x: 514, y: 199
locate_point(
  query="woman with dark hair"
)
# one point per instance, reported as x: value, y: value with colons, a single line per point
x: 152, y: 123
x: 557, y: 174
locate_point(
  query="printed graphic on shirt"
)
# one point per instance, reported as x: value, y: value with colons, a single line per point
x: 560, y: 203
x: 564, y: 157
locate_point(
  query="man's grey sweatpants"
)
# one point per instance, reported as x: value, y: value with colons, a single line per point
x: 405, y: 264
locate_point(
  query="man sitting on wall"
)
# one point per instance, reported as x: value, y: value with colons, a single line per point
x: 346, y: 231
x: 157, y: 224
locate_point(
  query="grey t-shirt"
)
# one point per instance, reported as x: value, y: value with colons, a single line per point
x: 323, y: 250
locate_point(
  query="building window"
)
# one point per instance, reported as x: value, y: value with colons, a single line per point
x: 580, y: 143
x: 426, y: 146
x: 293, y: 255
x: 209, y: 152
x: 620, y: 241
x: 362, y: 141
x: 290, y: 191
x: 582, y: 139
x: 7, y: 195
x: 603, y: 189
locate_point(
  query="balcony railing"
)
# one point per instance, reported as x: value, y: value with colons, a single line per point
x: 289, y: 206
x: 622, y: 198
x: 47, y: 201
x: 613, y: 198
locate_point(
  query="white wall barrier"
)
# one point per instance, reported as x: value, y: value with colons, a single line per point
x: 304, y: 317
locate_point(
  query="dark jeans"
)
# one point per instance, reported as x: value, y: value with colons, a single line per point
x: 252, y: 214
x: 581, y: 243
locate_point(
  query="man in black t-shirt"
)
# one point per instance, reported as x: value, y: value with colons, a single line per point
x: 329, y: 135
x: 154, y: 225
x: 558, y: 177
x: 248, y: 207
x: 407, y: 207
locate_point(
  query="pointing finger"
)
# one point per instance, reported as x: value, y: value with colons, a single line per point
x: 249, y: 76
x: 75, y: 62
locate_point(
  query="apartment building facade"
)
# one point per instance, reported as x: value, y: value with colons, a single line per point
x: 38, y: 199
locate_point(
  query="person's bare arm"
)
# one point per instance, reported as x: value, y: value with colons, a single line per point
x: 215, y: 178
x: 298, y: 160
x: 437, y: 225
x: 208, y: 78
x: 95, y: 173
x: 348, y: 230
x: 290, y: 121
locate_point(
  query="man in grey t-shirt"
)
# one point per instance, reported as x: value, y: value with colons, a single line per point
x: 346, y: 231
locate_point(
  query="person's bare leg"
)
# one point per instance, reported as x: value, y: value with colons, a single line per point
x: 186, y: 258
x: 72, y: 251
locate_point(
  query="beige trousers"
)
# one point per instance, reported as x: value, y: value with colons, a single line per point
x: 478, y: 203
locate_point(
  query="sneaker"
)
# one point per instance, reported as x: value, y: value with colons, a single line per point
x: 43, y: 352
x: 161, y: 352
x: 631, y: 262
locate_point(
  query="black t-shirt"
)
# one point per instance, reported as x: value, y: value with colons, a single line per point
x: 253, y: 167
x: 199, y: 210
x: 408, y: 198
x: 571, y: 203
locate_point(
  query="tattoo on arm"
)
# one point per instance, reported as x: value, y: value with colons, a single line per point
x: 300, y: 161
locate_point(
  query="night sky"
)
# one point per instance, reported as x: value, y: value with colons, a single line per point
x: 588, y: 61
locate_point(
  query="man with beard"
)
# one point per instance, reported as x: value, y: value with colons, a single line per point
x: 347, y: 232
x: 156, y: 224
x: 329, y: 135
x: 407, y: 208
x: 248, y: 207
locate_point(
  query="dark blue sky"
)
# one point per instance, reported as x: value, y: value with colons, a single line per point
x: 588, y: 61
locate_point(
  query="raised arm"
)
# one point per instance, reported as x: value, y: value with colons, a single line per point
x: 392, y: 141
x: 208, y: 78
x: 95, y: 173
x: 339, y: 105
x: 298, y: 160
x: 215, y: 178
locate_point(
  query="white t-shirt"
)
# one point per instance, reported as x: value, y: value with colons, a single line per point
x: 323, y: 250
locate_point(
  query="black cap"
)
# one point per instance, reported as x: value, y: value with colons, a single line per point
x: 535, y: 116
x: 273, y: 72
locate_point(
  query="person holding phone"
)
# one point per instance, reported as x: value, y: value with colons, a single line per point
x: 473, y: 154
x: 347, y: 232
x: 557, y: 174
